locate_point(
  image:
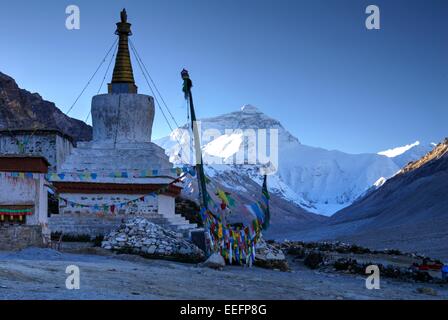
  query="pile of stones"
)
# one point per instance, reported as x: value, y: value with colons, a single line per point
x: 296, y: 247
x: 144, y: 238
x: 352, y: 266
x: 321, y: 255
x: 293, y: 247
x: 270, y: 256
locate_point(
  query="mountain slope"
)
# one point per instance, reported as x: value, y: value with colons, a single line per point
x: 20, y: 109
x: 318, y: 180
x: 409, y: 212
x: 408, y: 153
x: 244, y: 186
x: 428, y: 175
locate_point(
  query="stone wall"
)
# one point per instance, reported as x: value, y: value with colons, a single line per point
x: 76, y: 221
x: 64, y: 147
x: 93, y: 225
x: 51, y: 145
x: 81, y: 224
x: 19, y: 237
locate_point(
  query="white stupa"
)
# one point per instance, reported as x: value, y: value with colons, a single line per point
x: 120, y: 172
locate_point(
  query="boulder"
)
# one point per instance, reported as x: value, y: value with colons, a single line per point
x: 215, y: 261
x: 142, y: 237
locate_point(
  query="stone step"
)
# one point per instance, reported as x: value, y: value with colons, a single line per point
x: 180, y: 223
x: 186, y: 227
x: 82, y: 224
x: 183, y: 223
x: 177, y: 220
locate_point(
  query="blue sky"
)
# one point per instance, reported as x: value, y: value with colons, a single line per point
x: 310, y: 64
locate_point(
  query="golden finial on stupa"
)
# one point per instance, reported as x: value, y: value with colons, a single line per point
x: 123, y: 76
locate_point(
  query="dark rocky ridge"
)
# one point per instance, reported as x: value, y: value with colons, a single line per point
x: 21, y: 109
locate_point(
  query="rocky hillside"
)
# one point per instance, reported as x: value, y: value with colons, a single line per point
x: 409, y: 211
x: 441, y: 150
x: 408, y: 153
x: 20, y: 109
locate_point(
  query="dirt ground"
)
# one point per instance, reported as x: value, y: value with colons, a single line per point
x: 40, y: 274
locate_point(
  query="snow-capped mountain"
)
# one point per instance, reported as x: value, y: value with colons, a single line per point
x: 408, y: 212
x: 318, y: 180
x: 408, y: 153
x: 244, y: 186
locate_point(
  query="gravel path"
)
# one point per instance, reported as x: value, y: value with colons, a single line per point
x: 40, y: 274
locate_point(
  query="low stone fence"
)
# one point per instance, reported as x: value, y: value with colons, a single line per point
x: 19, y: 237
x: 87, y: 224
x: 83, y: 224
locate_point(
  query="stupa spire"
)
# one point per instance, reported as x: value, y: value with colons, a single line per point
x: 123, y: 76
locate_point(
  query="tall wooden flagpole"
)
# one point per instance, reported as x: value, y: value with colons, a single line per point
x: 188, y: 84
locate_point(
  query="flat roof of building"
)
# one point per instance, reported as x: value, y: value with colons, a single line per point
x: 37, y: 132
x: 23, y: 163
